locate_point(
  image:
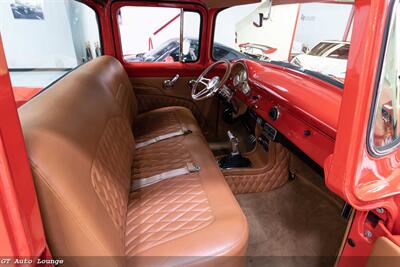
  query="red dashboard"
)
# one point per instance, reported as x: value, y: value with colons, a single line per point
x: 302, y: 108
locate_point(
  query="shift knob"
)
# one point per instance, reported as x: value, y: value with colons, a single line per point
x: 234, y: 143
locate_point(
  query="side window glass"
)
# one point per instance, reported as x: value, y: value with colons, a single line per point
x: 385, y: 126
x: 43, y: 40
x: 160, y: 40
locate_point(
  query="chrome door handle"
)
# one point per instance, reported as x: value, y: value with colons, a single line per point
x: 168, y: 84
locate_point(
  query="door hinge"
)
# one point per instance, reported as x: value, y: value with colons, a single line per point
x: 376, y: 225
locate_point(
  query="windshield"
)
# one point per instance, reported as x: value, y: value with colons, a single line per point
x: 313, y: 38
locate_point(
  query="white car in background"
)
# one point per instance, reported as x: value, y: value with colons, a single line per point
x: 327, y: 57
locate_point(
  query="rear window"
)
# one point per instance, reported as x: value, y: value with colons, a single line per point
x: 44, y: 39
x: 160, y: 40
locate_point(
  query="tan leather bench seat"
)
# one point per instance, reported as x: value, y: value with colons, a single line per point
x: 164, y: 120
x: 80, y: 144
x: 197, y: 209
x: 146, y: 125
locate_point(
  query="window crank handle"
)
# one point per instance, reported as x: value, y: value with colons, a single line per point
x: 168, y: 84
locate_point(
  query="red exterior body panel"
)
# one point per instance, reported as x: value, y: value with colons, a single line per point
x: 351, y: 172
x: 365, y: 182
x: 23, y: 94
x: 20, y: 221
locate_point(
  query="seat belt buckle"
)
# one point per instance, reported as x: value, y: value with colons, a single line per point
x: 191, y: 167
x: 186, y: 131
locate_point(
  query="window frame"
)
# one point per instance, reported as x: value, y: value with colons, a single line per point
x: 99, y: 24
x: 379, y: 152
x: 192, y: 7
x: 214, y: 24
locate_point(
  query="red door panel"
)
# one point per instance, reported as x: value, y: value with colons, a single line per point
x: 368, y: 183
x: 362, y: 180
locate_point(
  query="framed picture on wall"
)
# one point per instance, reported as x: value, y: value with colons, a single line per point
x: 27, y: 9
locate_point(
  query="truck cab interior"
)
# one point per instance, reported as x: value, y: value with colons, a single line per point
x: 190, y: 153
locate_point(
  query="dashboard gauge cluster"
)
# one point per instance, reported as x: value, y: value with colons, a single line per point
x: 240, y: 78
x: 246, y: 88
x: 236, y: 80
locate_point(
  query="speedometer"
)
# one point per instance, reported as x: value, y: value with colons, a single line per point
x: 243, y: 76
x: 246, y: 88
x: 236, y: 80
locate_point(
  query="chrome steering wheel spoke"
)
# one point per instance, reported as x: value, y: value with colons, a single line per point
x: 213, y: 85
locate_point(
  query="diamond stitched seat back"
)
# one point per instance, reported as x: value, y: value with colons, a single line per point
x: 81, y: 146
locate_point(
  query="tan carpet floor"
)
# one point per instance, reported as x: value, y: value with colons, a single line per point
x: 296, y: 225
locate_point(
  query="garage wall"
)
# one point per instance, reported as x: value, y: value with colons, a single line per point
x: 227, y: 20
x: 321, y: 22
x: 276, y: 32
x: 137, y: 25
x: 38, y: 43
x: 83, y: 23
x: 57, y: 41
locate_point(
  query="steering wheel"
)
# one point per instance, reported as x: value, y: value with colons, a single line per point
x: 210, y: 86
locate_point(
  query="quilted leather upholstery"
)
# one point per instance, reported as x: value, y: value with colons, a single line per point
x: 165, y: 120
x: 160, y: 157
x: 150, y: 102
x: 79, y: 140
x: 118, y: 83
x: 273, y: 175
x: 111, y: 170
x: 192, y: 215
x: 124, y: 97
x: 81, y: 147
x: 166, y: 211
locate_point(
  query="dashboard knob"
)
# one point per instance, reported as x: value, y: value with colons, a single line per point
x: 273, y: 113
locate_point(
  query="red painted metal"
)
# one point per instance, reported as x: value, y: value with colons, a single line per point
x: 351, y: 172
x: 356, y: 256
x: 160, y: 29
x: 24, y: 94
x: 166, y: 24
x: 295, y: 96
x: 20, y: 222
x: 366, y: 182
x: 348, y: 26
x: 159, y: 69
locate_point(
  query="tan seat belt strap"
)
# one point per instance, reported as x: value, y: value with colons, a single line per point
x: 140, y: 183
x: 181, y: 132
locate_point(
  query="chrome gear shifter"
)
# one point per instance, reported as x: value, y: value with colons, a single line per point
x: 234, y: 159
x: 234, y: 143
